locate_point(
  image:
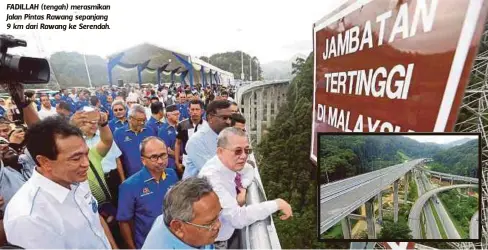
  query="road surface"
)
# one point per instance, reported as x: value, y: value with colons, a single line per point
x: 474, y: 226
x: 340, y: 198
x: 414, y: 216
x: 432, y: 230
x: 444, y: 217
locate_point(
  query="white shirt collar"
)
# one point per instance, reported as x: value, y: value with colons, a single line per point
x: 54, y: 189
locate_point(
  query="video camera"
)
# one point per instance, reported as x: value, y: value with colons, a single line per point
x: 21, y: 69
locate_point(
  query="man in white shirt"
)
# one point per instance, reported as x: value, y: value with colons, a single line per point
x: 46, y: 108
x: 232, y: 152
x: 55, y: 208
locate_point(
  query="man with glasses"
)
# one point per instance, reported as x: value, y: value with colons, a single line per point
x: 167, y: 132
x: 190, y: 217
x: 232, y: 152
x: 120, y: 114
x: 142, y: 194
x: 129, y: 137
x: 203, y: 144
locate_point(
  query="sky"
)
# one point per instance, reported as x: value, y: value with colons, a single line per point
x: 271, y: 30
x: 440, y: 139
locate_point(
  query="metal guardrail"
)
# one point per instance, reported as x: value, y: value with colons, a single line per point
x: 261, y: 234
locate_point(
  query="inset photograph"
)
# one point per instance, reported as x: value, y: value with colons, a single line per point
x: 415, y: 186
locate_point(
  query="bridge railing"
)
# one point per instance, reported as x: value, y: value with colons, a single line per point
x: 261, y: 234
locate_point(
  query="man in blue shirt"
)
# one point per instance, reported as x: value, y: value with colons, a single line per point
x: 141, y: 195
x: 167, y: 132
x: 82, y: 100
x: 66, y: 98
x: 120, y: 116
x: 182, y: 106
x: 155, y: 122
x: 108, y: 106
x: 203, y: 144
x: 190, y: 219
x: 129, y: 137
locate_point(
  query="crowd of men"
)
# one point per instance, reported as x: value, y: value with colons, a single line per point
x: 126, y: 168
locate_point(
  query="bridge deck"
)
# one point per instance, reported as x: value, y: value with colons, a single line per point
x: 340, y: 198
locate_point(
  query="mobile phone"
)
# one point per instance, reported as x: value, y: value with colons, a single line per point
x: 91, y: 114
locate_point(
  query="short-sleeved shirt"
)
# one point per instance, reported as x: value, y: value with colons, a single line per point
x: 154, y: 124
x: 160, y: 237
x: 109, y: 162
x: 185, y: 130
x: 141, y: 199
x: 95, y: 185
x: 46, y: 215
x: 115, y: 123
x: 167, y: 132
x: 200, y: 148
x: 128, y: 142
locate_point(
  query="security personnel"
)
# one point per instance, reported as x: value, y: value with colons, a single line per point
x: 167, y: 132
x: 141, y: 196
x: 128, y: 139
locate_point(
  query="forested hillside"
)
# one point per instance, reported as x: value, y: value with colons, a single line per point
x: 343, y: 156
x: 285, y: 167
x: 459, y: 160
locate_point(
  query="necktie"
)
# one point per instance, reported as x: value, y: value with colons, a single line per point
x: 238, y: 182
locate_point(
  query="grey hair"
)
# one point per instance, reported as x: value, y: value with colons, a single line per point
x: 136, y: 108
x: 142, y: 146
x: 223, y: 138
x: 178, y: 201
x: 118, y: 102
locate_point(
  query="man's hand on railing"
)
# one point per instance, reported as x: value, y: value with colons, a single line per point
x: 284, y: 207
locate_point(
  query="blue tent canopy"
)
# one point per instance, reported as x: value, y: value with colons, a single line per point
x: 150, y: 57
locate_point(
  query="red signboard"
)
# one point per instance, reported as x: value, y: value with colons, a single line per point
x: 393, y: 65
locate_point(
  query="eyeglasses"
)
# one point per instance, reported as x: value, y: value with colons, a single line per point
x: 239, y: 151
x: 138, y: 120
x: 209, y: 227
x: 155, y: 158
x: 117, y: 110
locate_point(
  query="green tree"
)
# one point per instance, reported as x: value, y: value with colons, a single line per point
x: 285, y: 167
x: 391, y: 230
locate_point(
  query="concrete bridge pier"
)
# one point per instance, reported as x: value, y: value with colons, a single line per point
x: 406, y: 187
x: 259, y: 111
x: 269, y: 103
x: 395, y: 201
x: 370, y: 219
x: 346, y: 228
x: 380, y: 206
